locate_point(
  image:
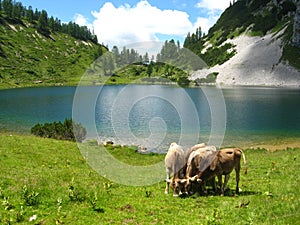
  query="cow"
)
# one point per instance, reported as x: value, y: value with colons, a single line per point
x: 198, y: 161
x: 176, y: 163
x: 192, y: 149
x: 223, y: 164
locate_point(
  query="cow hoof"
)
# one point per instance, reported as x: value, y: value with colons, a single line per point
x: 166, y: 192
x: 175, y: 195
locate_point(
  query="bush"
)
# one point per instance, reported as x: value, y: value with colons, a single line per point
x: 62, y: 131
x: 210, y: 78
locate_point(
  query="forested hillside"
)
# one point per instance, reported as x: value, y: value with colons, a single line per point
x: 171, y: 65
x: 36, y: 49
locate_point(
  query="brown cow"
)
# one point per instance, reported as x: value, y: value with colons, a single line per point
x: 223, y: 163
x: 176, y: 163
x: 197, y: 162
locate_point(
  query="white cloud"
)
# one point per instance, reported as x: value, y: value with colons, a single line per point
x: 142, y: 22
x: 82, y: 21
x: 213, y: 9
x: 213, y: 4
x: 204, y: 23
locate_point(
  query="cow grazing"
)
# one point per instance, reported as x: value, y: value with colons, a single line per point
x: 198, y: 161
x: 223, y: 163
x: 192, y: 149
x: 174, y: 162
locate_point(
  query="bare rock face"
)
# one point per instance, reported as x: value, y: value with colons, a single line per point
x: 296, y: 36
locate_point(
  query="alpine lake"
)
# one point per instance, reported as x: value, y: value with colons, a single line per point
x: 153, y: 116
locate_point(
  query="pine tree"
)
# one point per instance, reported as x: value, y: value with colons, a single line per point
x: 36, y: 14
x: 116, y: 55
x: 17, y: 10
x: 146, y: 58
x: 29, y: 14
x: 7, y: 7
x: 43, y: 23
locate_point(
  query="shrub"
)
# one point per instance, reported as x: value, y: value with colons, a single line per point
x: 68, y: 130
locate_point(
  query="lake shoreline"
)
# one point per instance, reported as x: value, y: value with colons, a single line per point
x: 270, y: 143
x: 218, y: 85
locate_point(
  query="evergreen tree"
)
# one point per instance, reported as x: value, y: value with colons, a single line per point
x: 42, y: 26
x: 58, y: 26
x: 110, y: 64
x: 7, y: 7
x: 29, y: 14
x: 52, y: 23
x: 146, y: 58
x: 36, y: 15
x: 116, y: 55
x: 17, y: 10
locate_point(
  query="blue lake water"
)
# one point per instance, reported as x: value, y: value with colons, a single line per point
x: 155, y: 115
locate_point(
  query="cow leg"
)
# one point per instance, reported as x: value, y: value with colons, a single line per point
x: 220, y: 182
x: 214, y: 185
x: 227, y: 176
x: 203, y: 188
x: 237, y: 177
x: 167, y: 181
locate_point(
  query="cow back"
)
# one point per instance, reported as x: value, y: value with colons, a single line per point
x: 174, y: 159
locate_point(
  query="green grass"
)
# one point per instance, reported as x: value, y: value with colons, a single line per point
x: 28, y: 58
x: 51, y: 179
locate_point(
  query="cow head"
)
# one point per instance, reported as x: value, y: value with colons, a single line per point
x: 178, y: 186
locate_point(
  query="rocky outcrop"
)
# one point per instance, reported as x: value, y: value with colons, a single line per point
x: 256, y: 63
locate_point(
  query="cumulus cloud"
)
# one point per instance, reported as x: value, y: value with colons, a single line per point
x: 143, y: 22
x: 205, y: 23
x: 213, y: 10
x: 82, y: 21
x: 213, y: 4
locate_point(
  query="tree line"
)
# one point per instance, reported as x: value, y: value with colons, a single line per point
x: 172, y: 63
x: 15, y: 12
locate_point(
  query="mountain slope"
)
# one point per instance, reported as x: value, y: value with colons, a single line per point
x: 261, y: 39
x: 28, y: 58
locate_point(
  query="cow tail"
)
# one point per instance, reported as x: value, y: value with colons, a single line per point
x: 245, y: 162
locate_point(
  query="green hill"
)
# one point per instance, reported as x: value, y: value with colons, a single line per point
x: 32, y: 54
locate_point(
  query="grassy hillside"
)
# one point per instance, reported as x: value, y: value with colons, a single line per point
x: 28, y: 58
x: 50, y: 180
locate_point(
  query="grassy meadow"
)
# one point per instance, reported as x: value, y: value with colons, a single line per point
x: 49, y: 182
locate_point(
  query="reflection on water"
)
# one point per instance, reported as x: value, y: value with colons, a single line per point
x: 155, y: 115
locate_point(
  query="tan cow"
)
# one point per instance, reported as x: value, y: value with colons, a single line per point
x: 197, y: 162
x: 223, y: 163
x: 176, y: 163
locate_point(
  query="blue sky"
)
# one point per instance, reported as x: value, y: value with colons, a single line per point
x: 121, y: 23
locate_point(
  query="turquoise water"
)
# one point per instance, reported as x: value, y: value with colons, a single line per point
x: 144, y: 113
